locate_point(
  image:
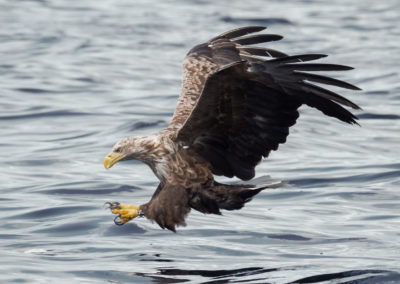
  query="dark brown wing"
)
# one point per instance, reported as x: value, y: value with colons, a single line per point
x: 205, y: 59
x: 246, y: 108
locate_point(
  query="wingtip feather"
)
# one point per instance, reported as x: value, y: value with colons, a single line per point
x: 254, y: 39
x: 242, y: 31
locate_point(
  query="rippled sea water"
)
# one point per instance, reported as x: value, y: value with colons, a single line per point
x: 76, y: 76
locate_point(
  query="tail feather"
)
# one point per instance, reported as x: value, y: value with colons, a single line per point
x: 229, y: 196
x: 253, y: 187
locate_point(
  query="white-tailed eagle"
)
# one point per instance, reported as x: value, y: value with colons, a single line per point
x: 236, y: 106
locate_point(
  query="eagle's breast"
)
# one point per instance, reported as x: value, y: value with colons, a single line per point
x: 174, y: 163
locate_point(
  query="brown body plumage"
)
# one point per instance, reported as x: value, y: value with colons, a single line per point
x: 234, y: 108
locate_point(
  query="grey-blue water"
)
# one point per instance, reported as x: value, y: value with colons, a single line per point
x: 76, y: 76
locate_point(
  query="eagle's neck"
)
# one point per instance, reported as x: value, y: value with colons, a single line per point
x: 155, y: 150
x: 170, y: 162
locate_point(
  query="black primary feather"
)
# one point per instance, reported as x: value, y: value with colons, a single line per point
x: 254, y: 39
x: 262, y: 51
x: 240, y: 32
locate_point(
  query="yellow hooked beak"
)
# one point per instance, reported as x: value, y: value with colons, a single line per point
x: 111, y: 159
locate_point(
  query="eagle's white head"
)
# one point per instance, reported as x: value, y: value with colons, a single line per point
x: 155, y: 150
x: 132, y: 148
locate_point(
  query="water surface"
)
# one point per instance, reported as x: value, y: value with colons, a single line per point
x: 78, y: 76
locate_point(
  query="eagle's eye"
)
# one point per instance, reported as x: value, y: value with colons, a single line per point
x: 118, y: 150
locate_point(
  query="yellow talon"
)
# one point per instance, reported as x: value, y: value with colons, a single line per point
x: 126, y: 212
x: 129, y: 206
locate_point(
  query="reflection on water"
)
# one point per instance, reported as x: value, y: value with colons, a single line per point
x: 246, y: 275
x: 78, y: 76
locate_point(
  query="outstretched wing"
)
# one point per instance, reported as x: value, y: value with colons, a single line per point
x: 248, y: 104
x: 205, y: 59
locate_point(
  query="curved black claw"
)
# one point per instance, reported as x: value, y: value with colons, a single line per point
x: 117, y: 220
x: 113, y: 205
